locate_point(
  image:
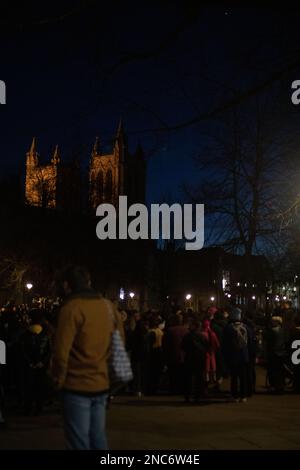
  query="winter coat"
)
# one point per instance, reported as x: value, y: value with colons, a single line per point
x: 237, y: 343
x: 82, y: 343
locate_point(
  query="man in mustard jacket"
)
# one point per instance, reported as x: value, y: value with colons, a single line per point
x: 79, y: 365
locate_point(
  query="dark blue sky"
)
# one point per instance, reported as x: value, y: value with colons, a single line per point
x: 71, y: 71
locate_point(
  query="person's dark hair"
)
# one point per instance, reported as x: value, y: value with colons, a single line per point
x: 219, y: 315
x: 153, y: 322
x: 249, y: 315
x: 195, y: 323
x: 78, y: 278
x: 36, y: 316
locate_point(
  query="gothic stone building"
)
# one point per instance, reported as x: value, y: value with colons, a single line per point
x: 59, y: 186
x: 117, y: 173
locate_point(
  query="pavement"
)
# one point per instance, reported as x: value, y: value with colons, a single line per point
x: 164, y: 422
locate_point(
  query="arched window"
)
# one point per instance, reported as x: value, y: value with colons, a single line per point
x: 100, y: 184
x: 108, y: 186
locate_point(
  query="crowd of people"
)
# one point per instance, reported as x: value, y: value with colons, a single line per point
x: 181, y: 352
x: 176, y: 351
x: 27, y: 333
x: 198, y: 350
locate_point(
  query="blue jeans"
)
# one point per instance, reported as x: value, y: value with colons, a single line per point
x: 84, y: 421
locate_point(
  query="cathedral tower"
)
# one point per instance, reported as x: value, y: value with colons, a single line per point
x: 56, y: 185
x: 115, y: 174
x: 41, y: 180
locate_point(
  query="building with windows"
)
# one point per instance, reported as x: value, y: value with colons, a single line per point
x: 59, y: 186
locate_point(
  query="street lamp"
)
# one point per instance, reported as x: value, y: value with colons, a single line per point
x: 28, y: 296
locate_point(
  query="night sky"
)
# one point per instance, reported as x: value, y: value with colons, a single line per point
x: 72, y: 69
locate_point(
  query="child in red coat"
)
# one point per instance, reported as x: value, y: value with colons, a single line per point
x: 213, y: 345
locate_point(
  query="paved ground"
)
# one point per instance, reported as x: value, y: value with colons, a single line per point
x: 264, y: 422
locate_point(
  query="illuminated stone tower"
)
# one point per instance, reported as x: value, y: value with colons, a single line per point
x: 117, y: 173
x: 41, y: 180
x: 54, y: 185
x: 58, y: 186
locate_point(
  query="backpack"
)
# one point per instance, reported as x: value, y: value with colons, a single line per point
x: 240, y: 336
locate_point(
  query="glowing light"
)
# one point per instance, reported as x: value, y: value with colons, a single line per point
x: 284, y: 297
x: 212, y: 299
x: 122, y: 294
x: 188, y: 296
x: 29, y: 286
x: 131, y: 295
x: 253, y: 297
x: 238, y: 284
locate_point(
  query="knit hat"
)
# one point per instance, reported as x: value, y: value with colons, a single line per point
x: 235, y: 314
